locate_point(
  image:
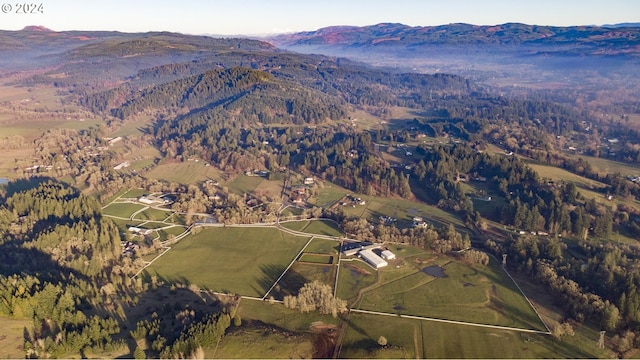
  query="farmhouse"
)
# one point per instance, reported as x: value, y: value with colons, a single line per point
x: 373, y: 259
x: 308, y: 181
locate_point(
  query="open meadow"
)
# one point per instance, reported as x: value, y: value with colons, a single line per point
x: 320, y: 227
x: 188, y: 172
x: 408, y: 338
x: 12, y: 337
x: 437, y: 286
x: 244, y: 261
x: 122, y: 210
x: 403, y: 210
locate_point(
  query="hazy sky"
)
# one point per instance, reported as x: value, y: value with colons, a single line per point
x: 276, y: 16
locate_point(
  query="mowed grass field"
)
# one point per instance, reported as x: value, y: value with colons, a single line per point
x: 288, y: 332
x: 606, y: 166
x: 188, y: 172
x: 320, y: 227
x: 408, y: 338
x: 244, y: 261
x: 123, y: 210
x: 328, y: 194
x: 403, y: 210
x: 470, y: 293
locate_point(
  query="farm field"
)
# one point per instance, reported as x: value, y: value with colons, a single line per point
x: 243, y: 184
x: 301, y: 273
x: 243, y: 344
x: 153, y: 215
x: 322, y: 246
x: 603, y: 165
x: 353, y: 277
x: 123, y: 210
x: 244, y: 261
x: 134, y: 193
x: 403, y: 210
x: 280, y: 320
x: 320, y: 227
x: 328, y: 194
x: 585, y: 186
x: 434, y: 286
x: 184, y: 173
x: 408, y: 338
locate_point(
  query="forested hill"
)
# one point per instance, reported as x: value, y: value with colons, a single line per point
x: 585, y: 40
x: 241, y: 93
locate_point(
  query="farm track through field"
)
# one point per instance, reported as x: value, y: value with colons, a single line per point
x: 452, y: 322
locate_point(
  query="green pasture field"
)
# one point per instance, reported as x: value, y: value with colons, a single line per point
x: 300, y: 274
x: 175, y: 230
x: 291, y: 211
x: 187, y: 172
x: 408, y: 338
x: 134, y: 193
x: 328, y: 194
x: 320, y: 227
x: 244, y: 261
x: 316, y: 258
x: 259, y: 342
x: 279, y: 316
x: 123, y: 210
x: 152, y: 225
x: 268, y: 188
x: 353, y: 277
x: 322, y: 246
x: 123, y: 225
x: 12, y: 337
x: 278, y: 320
x: 606, y: 166
x: 556, y: 173
x: 470, y: 293
x: 403, y: 210
x: 296, y: 225
x: 242, y: 184
x: 116, y: 195
x: 362, y: 331
x: 323, y: 227
x: 585, y: 186
x: 153, y: 214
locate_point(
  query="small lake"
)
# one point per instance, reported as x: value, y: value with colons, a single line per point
x: 435, y: 271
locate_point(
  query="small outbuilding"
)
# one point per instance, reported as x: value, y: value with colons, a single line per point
x: 388, y: 255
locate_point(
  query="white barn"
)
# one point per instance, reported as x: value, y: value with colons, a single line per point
x: 388, y: 255
x: 373, y: 259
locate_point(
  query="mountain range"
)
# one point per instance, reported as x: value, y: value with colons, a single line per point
x: 584, y: 40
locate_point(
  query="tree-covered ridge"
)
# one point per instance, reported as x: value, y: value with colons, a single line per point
x: 61, y: 223
x: 243, y: 94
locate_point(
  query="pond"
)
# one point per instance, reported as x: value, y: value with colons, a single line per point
x: 4, y: 181
x: 435, y: 271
